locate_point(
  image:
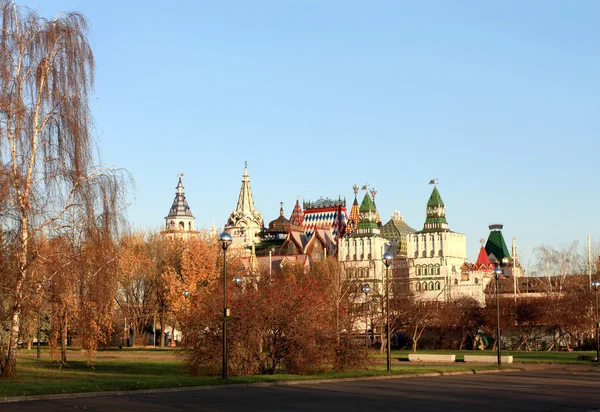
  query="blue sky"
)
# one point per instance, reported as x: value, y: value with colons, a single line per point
x: 498, y: 100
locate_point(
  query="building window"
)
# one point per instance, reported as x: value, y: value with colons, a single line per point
x: 424, y: 253
x: 440, y: 253
x: 438, y: 286
x: 416, y: 254
x: 431, y: 285
x: 432, y: 253
x: 476, y: 281
x: 424, y: 285
x: 418, y: 286
x: 456, y: 281
x: 437, y: 270
x: 347, y: 257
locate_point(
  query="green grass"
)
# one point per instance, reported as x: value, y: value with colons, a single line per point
x: 135, y: 369
x: 518, y: 357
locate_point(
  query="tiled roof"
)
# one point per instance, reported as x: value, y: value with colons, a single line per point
x: 180, y: 206
x: 297, y: 215
x: 495, y: 245
x: 395, y: 228
x: 483, y: 261
x: 353, y: 217
x: 281, y: 224
x: 435, y: 199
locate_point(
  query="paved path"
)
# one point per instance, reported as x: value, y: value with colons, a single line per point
x: 539, y: 388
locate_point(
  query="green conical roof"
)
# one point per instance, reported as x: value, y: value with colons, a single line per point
x: 367, y: 218
x: 436, y: 214
x: 367, y: 204
x: 435, y: 199
x: 496, y: 245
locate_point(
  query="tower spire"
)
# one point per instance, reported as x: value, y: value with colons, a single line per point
x: 245, y: 204
x: 436, y: 212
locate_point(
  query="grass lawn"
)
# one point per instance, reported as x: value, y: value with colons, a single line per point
x: 132, y: 369
x: 519, y: 357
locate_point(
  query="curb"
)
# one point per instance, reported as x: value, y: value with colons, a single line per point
x: 9, y: 399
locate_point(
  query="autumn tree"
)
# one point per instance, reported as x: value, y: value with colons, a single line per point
x: 46, y: 148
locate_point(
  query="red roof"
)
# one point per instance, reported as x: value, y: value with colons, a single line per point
x: 483, y: 261
x: 297, y: 215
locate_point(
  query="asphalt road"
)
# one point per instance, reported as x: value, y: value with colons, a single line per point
x: 576, y: 389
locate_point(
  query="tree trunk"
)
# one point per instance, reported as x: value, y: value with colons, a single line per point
x: 162, y: 329
x: 10, y: 368
x: 134, y: 330
x: 63, y: 343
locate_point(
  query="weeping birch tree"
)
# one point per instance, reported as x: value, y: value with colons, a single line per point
x: 48, y: 156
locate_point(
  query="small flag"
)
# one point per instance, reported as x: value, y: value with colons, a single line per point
x: 432, y: 182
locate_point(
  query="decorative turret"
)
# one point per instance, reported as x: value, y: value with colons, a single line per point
x: 180, y: 218
x: 483, y: 264
x: 297, y: 215
x: 436, y: 213
x: 367, y: 218
x: 245, y: 222
x: 353, y: 221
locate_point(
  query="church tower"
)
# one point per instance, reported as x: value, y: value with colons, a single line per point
x: 245, y: 222
x: 179, y: 221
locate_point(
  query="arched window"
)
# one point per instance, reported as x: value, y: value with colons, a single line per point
x: 424, y: 285
x: 430, y: 285
x: 476, y: 281
x: 431, y: 270
x: 181, y: 226
x: 438, y: 286
x: 437, y: 270
x: 456, y: 281
x: 418, y: 286
x: 418, y: 270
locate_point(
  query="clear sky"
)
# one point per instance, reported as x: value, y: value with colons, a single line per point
x: 498, y: 100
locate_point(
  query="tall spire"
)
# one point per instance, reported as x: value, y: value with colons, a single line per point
x: 245, y: 204
x: 245, y: 221
x: 436, y: 213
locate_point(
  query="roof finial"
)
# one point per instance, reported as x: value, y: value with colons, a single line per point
x: 355, y: 189
x: 434, y: 182
x: 373, y: 193
x: 281, y: 208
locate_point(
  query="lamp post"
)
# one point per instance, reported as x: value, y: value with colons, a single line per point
x: 366, y: 288
x: 387, y: 260
x: 225, y: 240
x: 595, y: 284
x: 497, y: 274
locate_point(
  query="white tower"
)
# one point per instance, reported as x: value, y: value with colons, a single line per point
x: 180, y: 220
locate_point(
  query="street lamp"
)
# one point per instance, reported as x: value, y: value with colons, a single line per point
x: 497, y: 274
x: 366, y: 288
x: 595, y: 284
x: 225, y: 240
x: 237, y: 281
x: 387, y: 260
